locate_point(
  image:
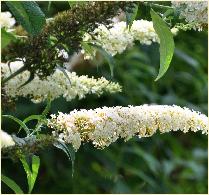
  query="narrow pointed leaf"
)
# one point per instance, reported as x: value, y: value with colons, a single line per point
x: 166, y: 43
x: 11, y: 184
x: 19, y: 122
x: 131, y: 15
x: 30, y: 118
x: 69, y: 151
x: 35, y: 168
x: 31, y: 175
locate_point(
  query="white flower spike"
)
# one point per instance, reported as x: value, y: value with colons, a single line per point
x: 55, y: 86
x: 104, y: 126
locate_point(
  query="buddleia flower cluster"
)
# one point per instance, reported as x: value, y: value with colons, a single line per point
x: 119, y: 37
x: 194, y: 12
x: 65, y: 30
x: 54, y: 86
x: 6, y: 20
x: 103, y: 126
x: 6, y: 140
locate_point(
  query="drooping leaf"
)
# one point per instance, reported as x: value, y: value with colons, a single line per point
x: 30, y: 118
x: 6, y: 38
x: 11, y: 184
x: 69, y: 151
x: 63, y: 70
x: 31, y: 175
x: 166, y: 43
x: 131, y: 15
x: 106, y: 55
x: 28, y: 14
x: 19, y: 122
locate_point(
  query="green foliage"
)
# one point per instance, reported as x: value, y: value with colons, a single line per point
x: 12, y: 184
x: 106, y: 55
x: 131, y: 15
x: 29, y: 15
x: 69, y: 151
x: 168, y: 163
x: 31, y: 117
x: 166, y: 43
x: 6, y: 38
x: 31, y: 174
x: 22, y: 124
x: 67, y: 27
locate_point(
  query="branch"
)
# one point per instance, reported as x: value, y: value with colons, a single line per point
x: 67, y: 28
x: 27, y: 145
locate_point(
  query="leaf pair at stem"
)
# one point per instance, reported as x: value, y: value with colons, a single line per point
x: 31, y: 175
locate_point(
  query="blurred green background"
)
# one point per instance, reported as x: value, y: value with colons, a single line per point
x: 167, y: 163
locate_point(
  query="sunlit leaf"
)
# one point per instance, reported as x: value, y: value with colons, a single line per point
x: 166, y: 43
x: 31, y: 175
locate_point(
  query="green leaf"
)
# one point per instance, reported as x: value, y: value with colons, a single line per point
x: 19, y: 122
x: 48, y: 107
x: 28, y: 14
x: 69, y: 151
x: 131, y: 15
x: 11, y: 184
x: 35, y: 168
x: 106, y: 55
x: 6, y: 38
x: 31, y: 175
x: 30, y: 118
x: 168, y: 13
x: 166, y: 43
x: 87, y: 48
